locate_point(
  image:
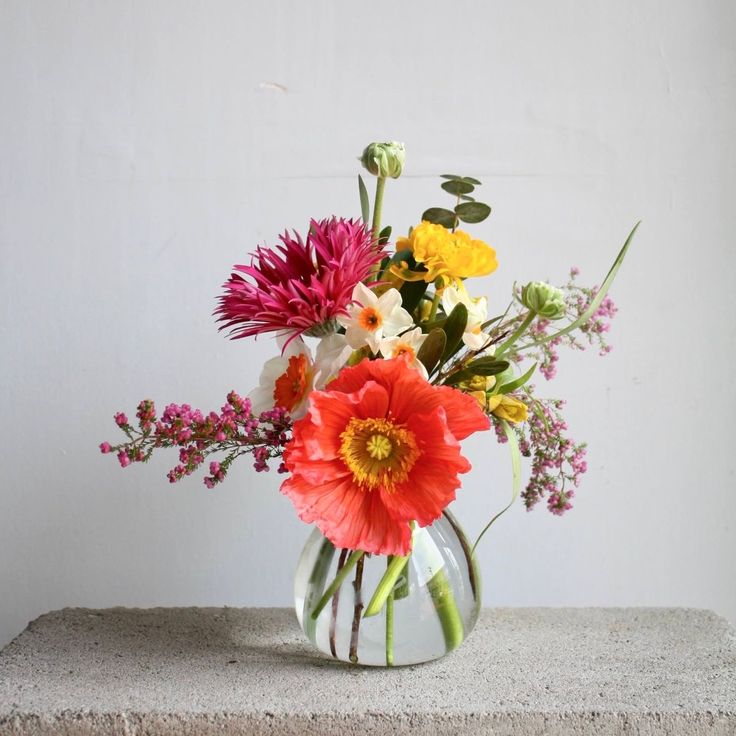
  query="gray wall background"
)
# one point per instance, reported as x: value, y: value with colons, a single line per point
x: 147, y: 146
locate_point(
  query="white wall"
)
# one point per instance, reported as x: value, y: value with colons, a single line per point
x: 143, y: 151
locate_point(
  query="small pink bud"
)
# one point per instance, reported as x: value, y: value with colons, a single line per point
x: 120, y: 419
x: 105, y: 447
x: 123, y: 459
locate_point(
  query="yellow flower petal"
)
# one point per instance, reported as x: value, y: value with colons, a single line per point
x: 508, y: 408
x: 448, y: 256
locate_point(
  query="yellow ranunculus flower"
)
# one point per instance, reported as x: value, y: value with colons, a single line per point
x: 508, y: 408
x: 447, y: 256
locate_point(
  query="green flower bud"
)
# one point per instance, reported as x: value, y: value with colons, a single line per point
x: 384, y: 159
x: 545, y: 300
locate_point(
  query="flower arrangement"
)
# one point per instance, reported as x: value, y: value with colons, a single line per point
x: 405, y: 363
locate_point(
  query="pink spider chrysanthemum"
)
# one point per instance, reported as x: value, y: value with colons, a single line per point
x: 299, y: 286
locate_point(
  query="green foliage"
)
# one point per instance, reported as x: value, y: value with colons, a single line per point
x: 432, y: 349
x: 467, y: 209
x: 454, y: 328
x: 472, y: 212
x: 457, y: 187
x: 365, y: 207
x: 440, y: 216
x: 507, y: 388
x: 412, y: 293
x: 480, y: 367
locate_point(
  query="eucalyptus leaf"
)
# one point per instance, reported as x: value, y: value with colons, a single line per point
x: 472, y: 211
x: 440, y: 216
x: 365, y: 206
x: 466, y: 198
x: 432, y: 348
x: 454, y: 328
x: 457, y: 186
x: 450, y: 176
x: 470, y: 180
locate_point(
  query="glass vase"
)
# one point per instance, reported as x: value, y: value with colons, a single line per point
x: 430, y: 611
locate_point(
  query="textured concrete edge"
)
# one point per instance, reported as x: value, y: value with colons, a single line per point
x: 371, y: 724
x: 53, y: 613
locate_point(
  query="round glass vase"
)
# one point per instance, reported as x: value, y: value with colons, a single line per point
x: 430, y: 611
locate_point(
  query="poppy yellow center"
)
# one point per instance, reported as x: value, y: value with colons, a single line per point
x: 379, y: 453
x: 292, y: 384
x: 370, y: 319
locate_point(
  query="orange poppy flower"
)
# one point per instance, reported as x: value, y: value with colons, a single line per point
x: 378, y: 449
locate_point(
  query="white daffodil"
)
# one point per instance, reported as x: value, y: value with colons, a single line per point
x: 406, y: 345
x: 333, y: 352
x: 371, y: 318
x: 473, y: 337
x: 286, y: 380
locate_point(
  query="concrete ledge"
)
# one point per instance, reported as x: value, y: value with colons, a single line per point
x: 249, y: 671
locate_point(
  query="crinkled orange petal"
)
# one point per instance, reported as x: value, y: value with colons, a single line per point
x: 376, y: 518
x: 434, y: 478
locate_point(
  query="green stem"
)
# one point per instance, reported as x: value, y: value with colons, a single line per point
x: 376, y: 224
x: 378, y: 205
x: 447, y: 610
x: 357, y: 611
x: 337, y: 582
x: 317, y: 583
x: 435, y: 304
x: 386, y: 585
x: 513, y: 444
x: 335, y: 605
x: 389, y: 623
x: 520, y: 330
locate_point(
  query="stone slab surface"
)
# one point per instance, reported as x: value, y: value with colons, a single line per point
x: 250, y: 671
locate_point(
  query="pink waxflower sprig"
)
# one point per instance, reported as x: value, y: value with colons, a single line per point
x: 557, y: 461
x: 234, y: 431
x: 577, y: 299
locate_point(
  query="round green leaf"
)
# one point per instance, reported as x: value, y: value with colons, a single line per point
x: 456, y: 186
x: 470, y: 180
x: 440, y: 216
x: 472, y: 211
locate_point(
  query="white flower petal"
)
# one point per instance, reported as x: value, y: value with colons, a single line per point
x: 389, y: 301
x: 475, y: 340
x: 364, y: 296
x: 397, y: 321
x: 333, y: 352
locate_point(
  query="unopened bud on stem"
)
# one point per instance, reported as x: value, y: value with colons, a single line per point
x: 384, y: 159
